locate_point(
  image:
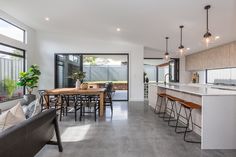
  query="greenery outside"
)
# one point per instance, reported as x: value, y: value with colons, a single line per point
x: 10, y: 86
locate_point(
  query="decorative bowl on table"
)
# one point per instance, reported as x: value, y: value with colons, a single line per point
x: 84, y: 86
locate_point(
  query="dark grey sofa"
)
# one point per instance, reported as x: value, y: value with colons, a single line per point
x: 29, y: 137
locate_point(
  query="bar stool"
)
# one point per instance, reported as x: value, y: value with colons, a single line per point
x: 173, y: 101
x: 189, y: 106
x: 161, y: 96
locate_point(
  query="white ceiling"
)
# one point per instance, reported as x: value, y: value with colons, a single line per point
x: 144, y: 22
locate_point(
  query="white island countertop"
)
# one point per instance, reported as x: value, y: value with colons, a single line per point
x: 198, y: 90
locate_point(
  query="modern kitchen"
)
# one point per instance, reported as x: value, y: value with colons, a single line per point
x: 127, y: 78
x: 212, y: 86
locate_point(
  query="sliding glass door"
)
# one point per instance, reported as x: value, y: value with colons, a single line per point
x: 99, y: 68
x: 65, y: 65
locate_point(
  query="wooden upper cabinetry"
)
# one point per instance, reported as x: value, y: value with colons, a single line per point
x: 219, y: 57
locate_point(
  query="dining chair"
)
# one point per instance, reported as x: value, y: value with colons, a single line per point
x: 89, y: 104
x: 71, y: 101
x: 53, y: 100
x: 108, y: 95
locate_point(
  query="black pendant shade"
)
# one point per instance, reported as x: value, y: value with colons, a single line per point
x: 207, y: 34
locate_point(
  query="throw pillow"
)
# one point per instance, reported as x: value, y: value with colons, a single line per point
x: 7, y: 120
x: 30, y: 109
x: 37, y: 108
x: 18, y: 112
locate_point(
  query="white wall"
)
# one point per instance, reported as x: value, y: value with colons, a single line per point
x: 29, y: 47
x: 50, y: 43
x: 152, y: 53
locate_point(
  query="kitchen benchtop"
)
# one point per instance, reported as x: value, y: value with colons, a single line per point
x: 198, y: 90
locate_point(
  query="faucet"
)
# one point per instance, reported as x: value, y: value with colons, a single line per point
x: 166, y: 77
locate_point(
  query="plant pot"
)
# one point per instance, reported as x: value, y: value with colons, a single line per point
x: 28, y: 98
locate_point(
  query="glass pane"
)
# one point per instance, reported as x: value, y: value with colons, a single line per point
x: 66, y: 65
x: 150, y: 68
x: 218, y: 75
x: 8, y: 49
x: 162, y: 71
x: 172, y: 70
x: 11, y: 31
x: 10, y: 67
x: 108, y: 68
x: 151, y: 72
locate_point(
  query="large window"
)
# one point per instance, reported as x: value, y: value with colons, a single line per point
x: 12, y: 62
x: 225, y: 76
x: 150, y: 66
x: 99, y: 68
x: 11, y: 31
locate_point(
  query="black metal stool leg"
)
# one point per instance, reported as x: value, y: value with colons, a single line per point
x: 178, y: 115
x: 178, y: 119
x: 165, y: 110
x: 186, y: 130
x: 155, y: 110
x: 161, y: 106
x: 172, y: 111
x: 170, y: 118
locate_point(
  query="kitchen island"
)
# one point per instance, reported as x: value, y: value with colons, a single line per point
x: 215, y: 122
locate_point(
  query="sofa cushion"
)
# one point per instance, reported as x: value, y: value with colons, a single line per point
x: 37, y: 108
x: 33, y: 109
x: 18, y: 112
x: 11, y: 117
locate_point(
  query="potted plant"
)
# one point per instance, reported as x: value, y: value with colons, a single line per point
x: 78, y: 76
x: 10, y: 86
x: 29, y: 80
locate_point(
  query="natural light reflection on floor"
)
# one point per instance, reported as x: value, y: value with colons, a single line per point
x: 75, y: 133
x: 119, y: 112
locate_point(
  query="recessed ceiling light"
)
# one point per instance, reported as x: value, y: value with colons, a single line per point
x: 217, y: 37
x: 47, y: 19
x: 118, y: 29
x: 188, y: 48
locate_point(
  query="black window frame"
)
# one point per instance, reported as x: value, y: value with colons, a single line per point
x: 24, y: 35
x: 81, y: 67
x: 15, y: 55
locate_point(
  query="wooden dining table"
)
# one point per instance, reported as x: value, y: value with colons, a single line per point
x: 76, y: 91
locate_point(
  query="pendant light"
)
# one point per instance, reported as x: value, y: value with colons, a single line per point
x: 166, y: 53
x: 181, y: 47
x: 207, y: 36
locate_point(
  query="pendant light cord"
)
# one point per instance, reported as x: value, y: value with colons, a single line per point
x: 207, y: 14
x: 181, y: 35
x: 167, y: 44
x: 207, y: 22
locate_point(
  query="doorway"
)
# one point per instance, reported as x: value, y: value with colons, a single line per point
x: 99, y: 68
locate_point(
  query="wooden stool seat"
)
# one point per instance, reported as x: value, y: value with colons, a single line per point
x: 161, y: 94
x: 190, y: 105
x: 174, y: 98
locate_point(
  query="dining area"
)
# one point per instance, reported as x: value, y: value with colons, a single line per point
x: 82, y: 102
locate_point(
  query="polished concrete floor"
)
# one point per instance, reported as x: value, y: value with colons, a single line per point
x: 120, y: 95
x: 133, y: 131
